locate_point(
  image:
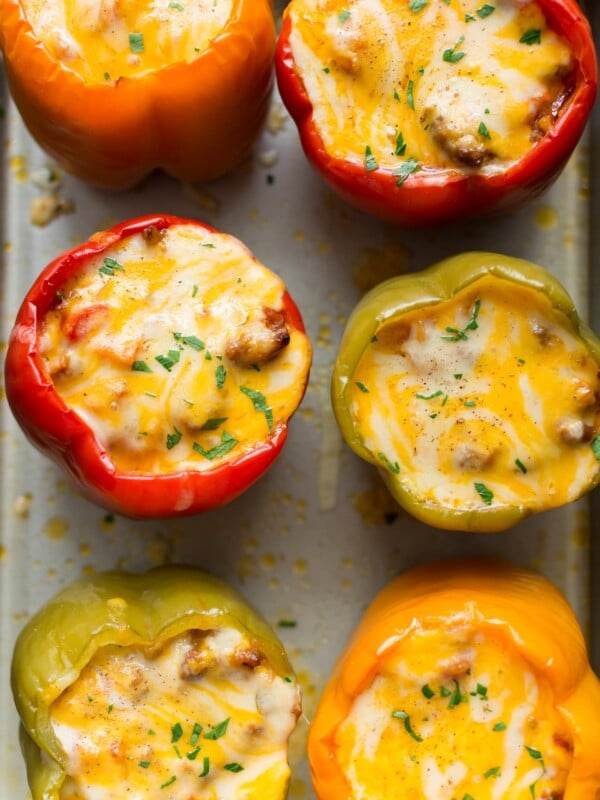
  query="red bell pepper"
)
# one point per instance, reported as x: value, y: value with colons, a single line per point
x: 58, y: 431
x: 437, y: 196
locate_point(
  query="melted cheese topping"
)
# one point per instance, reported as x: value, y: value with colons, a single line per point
x: 173, y: 350
x: 487, y: 399
x: 104, y: 40
x: 465, y: 84
x: 202, y: 717
x: 454, y: 714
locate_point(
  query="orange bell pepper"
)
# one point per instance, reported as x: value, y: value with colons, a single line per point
x: 196, y: 117
x: 464, y: 679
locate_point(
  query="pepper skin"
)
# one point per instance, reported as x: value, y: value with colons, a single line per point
x: 529, y: 619
x: 195, y: 120
x: 479, y: 401
x: 58, y: 431
x: 122, y: 609
x: 439, y: 196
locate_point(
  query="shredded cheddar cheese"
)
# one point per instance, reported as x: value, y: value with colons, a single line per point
x: 104, y: 40
x: 174, y: 348
x: 489, y: 399
x: 419, y: 85
x: 202, y: 716
x: 454, y: 713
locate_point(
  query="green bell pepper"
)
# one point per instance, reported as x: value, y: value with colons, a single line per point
x: 116, y: 608
x: 441, y: 321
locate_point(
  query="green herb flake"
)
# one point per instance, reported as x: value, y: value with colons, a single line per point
x: 410, y: 95
x: 456, y: 696
x: 170, y: 782
x: 458, y: 375
x: 469, y: 403
x: 467, y: 797
x: 483, y: 130
x: 457, y: 335
x: 427, y: 691
x: 470, y: 18
x: 110, y: 708
x: 400, y: 147
x: 521, y: 465
x: 207, y: 244
x: 362, y: 387
x: 173, y: 438
x: 196, y: 733
x: 144, y: 764
x: 429, y: 396
x: 445, y: 692
x: 90, y: 698
x: 151, y: 732
x: 213, y: 423
x: 109, y: 266
x: 485, y: 10
x: 259, y: 401
x: 499, y: 726
x: 535, y: 754
x: 176, y: 733
x: 418, y: 5
x: 220, y: 375
x: 396, y: 95
x: 192, y: 341
x: 287, y: 623
x: 486, y: 494
x: 140, y: 366
x: 191, y: 756
x: 532, y: 36
x: 205, y: 768
x: 394, y: 468
x: 595, y: 445
x: 228, y: 442
x: 177, y: 752
x: 343, y: 15
x: 194, y: 290
x: 370, y: 160
x: 136, y: 45
x: 326, y: 70
x: 218, y: 731
x: 453, y: 56
x: 409, y: 167
x: 177, y: 6
x: 233, y: 767
x: 492, y: 772
x: 481, y: 691
x: 168, y: 361
x: 107, y: 76
x: 407, y: 726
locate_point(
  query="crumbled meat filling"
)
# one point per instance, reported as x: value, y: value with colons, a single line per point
x: 258, y: 341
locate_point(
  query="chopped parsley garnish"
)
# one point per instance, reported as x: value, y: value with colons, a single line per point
x: 445, y: 692
x: 486, y: 494
x: 535, y: 754
x: 492, y: 772
x: 458, y: 375
x: 595, y: 445
x: 469, y: 403
x: 396, y: 95
x: 176, y: 733
x: 205, y: 768
x: 109, y: 266
x: 370, y: 160
x: 213, y: 423
x: 485, y: 10
x: 136, y: 42
x: 177, y: 752
x: 194, y: 290
x: 326, y: 70
x: 228, y: 442
x: 429, y: 396
x: 343, y: 15
x: 470, y: 18
x: 178, y: 6
x: 140, y: 366
x: 407, y: 726
x: 107, y: 76
x: 418, y: 5
x: 480, y: 691
x: 482, y: 130
x: 521, y: 465
x: 427, y: 691
x: 472, y: 325
x: 168, y: 361
x: 218, y: 731
x: 410, y: 96
x: 173, y: 438
x: 393, y: 468
x: 259, y: 401
x: 362, y: 387
x: 400, y: 148
x: 144, y: 764
x: 233, y: 767
x: 220, y: 375
x: 532, y: 36
x: 110, y: 708
x: 89, y: 698
x: 207, y: 244
x: 196, y: 733
x: 456, y: 696
x: 287, y: 623
x: 499, y: 726
x: 171, y: 780
x: 191, y: 341
x: 151, y: 732
x: 409, y: 167
x: 191, y: 756
x: 453, y: 56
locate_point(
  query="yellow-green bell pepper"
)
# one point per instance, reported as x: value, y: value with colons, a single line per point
x: 124, y: 609
x: 477, y: 376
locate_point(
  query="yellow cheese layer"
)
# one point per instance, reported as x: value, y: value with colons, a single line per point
x: 466, y: 84
x: 105, y: 40
x: 487, y: 399
x: 200, y: 717
x: 172, y: 349
x: 454, y: 714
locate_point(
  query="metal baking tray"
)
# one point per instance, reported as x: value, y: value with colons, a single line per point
x: 317, y: 536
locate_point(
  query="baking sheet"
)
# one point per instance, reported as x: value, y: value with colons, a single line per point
x: 314, y: 539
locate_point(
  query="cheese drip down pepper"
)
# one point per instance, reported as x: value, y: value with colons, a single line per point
x: 474, y: 387
x: 169, y: 685
x: 113, y: 90
x: 159, y: 363
x: 463, y: 680
x: 428, y: 112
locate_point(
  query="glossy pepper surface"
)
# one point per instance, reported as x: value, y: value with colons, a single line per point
x: 462, y: 361
x: 526, y: 614
x: 61, y: 433
x: 123, y: 609
x: 195, y: 119
x: 425, y: 195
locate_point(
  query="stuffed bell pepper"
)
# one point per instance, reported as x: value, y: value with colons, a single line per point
x: 158, y: 364
x: 427, y: 112
x: 463, y: 680
x: 112, y: 90
x: 474, y: 387
x: 170, y: 685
